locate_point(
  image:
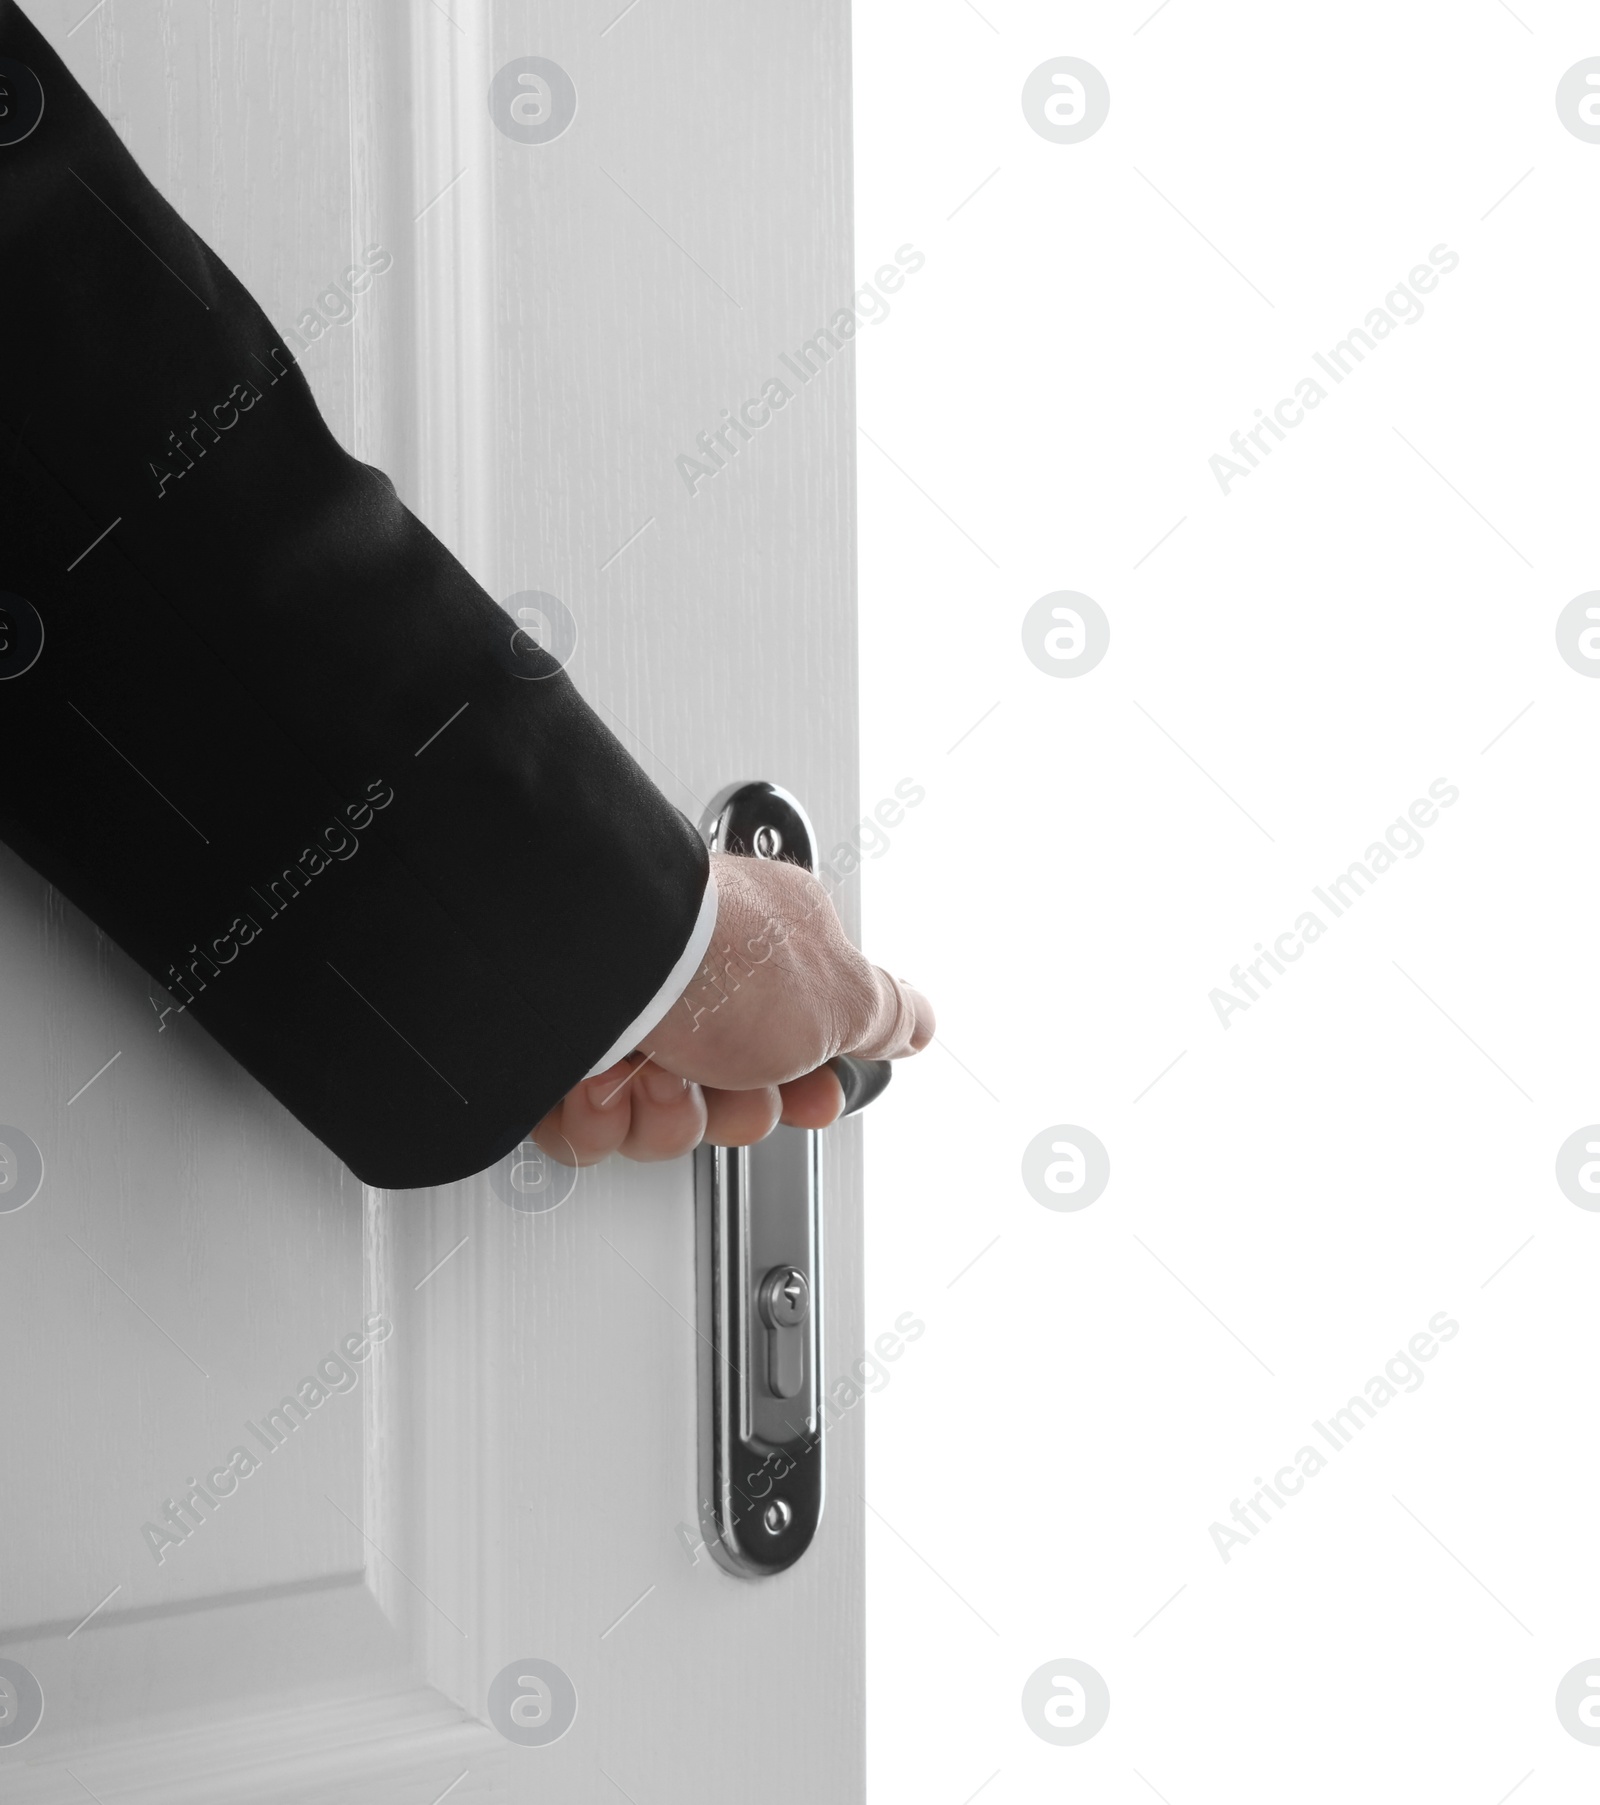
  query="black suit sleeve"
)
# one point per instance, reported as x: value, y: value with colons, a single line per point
x: 217, y: 750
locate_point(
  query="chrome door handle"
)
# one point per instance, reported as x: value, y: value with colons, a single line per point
x: 758, y: 1233
x: 861, y: 1080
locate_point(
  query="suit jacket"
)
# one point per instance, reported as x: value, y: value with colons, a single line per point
x: 225, y: 646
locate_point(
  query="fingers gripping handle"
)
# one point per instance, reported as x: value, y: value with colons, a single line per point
x: 758, y: 820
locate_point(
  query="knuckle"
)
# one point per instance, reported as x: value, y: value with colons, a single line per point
x: 856, y: 999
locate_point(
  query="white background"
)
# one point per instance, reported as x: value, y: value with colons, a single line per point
x: 1303, y: 1190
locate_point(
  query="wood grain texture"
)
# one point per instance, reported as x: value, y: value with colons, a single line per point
x: 557, y: 326
x: 644, y: 273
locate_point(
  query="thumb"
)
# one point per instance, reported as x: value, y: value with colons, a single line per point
x: 901, y: 1021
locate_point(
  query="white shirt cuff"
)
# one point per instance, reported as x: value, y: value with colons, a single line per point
x: 659, y: 1006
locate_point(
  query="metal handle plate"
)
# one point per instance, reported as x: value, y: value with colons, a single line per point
x: 758, y: 1218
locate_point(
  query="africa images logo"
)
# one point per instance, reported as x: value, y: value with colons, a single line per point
x: 335, y: 1374
x: 1402, y: 306
x: 1402, y: 838
x: 1401, y: 1372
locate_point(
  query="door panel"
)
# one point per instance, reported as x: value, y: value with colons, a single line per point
x: 511, y: 1471
x: 156, y: 1293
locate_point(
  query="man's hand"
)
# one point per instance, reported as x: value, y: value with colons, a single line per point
x: 780, y: 993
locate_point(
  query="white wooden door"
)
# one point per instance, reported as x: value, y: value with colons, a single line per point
x: 529, y: 329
